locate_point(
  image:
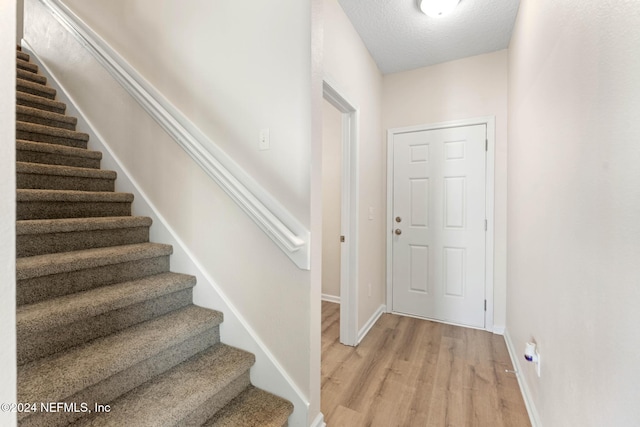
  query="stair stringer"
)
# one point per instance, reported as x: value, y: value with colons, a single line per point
x: 267, y: 373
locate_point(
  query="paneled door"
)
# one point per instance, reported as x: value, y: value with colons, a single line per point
x: 439, y: 224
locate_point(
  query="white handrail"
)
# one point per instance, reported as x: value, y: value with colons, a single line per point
x: 275, y: 220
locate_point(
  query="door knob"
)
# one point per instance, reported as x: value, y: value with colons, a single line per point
x: 398, y: 219
x: 398, y: 231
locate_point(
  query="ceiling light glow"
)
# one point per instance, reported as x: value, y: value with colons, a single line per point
x: 436, y: 8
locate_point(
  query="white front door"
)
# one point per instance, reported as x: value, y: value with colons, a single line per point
x: 438, y: 249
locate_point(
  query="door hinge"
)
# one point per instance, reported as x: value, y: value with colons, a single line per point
x: 486, y: 145
x: 485, y: 305
x: 486, y: 225
x: 342, y: 239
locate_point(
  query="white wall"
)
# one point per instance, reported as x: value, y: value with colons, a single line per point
x: 574, y: 208
x: 272, y: 295
x: 466, y: 88
x: 348, y: 63
x: 233, y: 68
x: 7, y: 209
x: 331, y: 195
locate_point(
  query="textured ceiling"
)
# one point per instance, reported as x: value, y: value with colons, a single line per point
x: 400, y: 37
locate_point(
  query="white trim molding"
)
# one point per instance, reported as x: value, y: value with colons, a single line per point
x: 331, y: 298
x: 288, y: 233
x: 371, y: 322
x: 319, y: 421
x: 490, y: 123
x: 524, y: 387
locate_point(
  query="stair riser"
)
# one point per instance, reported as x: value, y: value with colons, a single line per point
x: 56, y: 159
x: 44, y: 121
x: 40, y: 90
x: 41, y: 106
x: 209, y: 408
x: 127, y: 380
x: 36, y: 289
x: 60, y: 182
x: 55, y: 210
x: 27, y: 75
x: 32, y: 346
x: 38, y: 244
x: 50, y: 139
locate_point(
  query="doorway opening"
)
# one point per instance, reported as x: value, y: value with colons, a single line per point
x: 344, y: 153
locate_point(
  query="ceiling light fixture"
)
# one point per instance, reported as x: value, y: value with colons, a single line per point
x: 436, y: 8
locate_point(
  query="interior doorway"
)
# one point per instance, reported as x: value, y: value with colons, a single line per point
x: 331, y: 201
x: 344, y: 155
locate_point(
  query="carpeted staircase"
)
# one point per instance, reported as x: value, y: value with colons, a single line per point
x: 100, y: 318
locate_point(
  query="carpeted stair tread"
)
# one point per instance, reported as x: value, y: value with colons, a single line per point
x: 57, y: 177
x: 53, y: 131
x: 27, y: 86
x: 183, y: 394
x: 52, y: 135
x: 54, y: 154
x: 22, y: 55
x: 57, y: 324
x: 37, y: 237
x: 124, y: 381
x: 40, y: 288
x: 40, y: 103
x: 26, y: 65
x: 54, y: 378
x: 44, y: 169
x: 51, y: 204
x: 253, y: 408
x: 68, y: 225
x: 38, y: 317
x: 65, y: 262
x: 46, y: 118
x: 27, y: 75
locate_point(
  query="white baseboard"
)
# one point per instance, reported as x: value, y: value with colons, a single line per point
x: 372, y: 321
x: 522, y: 382
x: 319, y: 421
x: 498, y: 330
x: 331, y: 298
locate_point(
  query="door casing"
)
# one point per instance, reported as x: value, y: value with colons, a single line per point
x: 489, y: 121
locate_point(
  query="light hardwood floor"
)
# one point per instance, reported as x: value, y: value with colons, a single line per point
x: 411, y: 372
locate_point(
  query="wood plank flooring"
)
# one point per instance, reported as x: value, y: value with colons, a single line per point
x: 411, y: 372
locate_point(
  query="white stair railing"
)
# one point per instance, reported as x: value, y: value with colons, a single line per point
x: 274, y: 219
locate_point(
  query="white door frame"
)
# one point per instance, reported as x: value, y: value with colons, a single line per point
x: 489, y: 121
x: 348, y: 212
